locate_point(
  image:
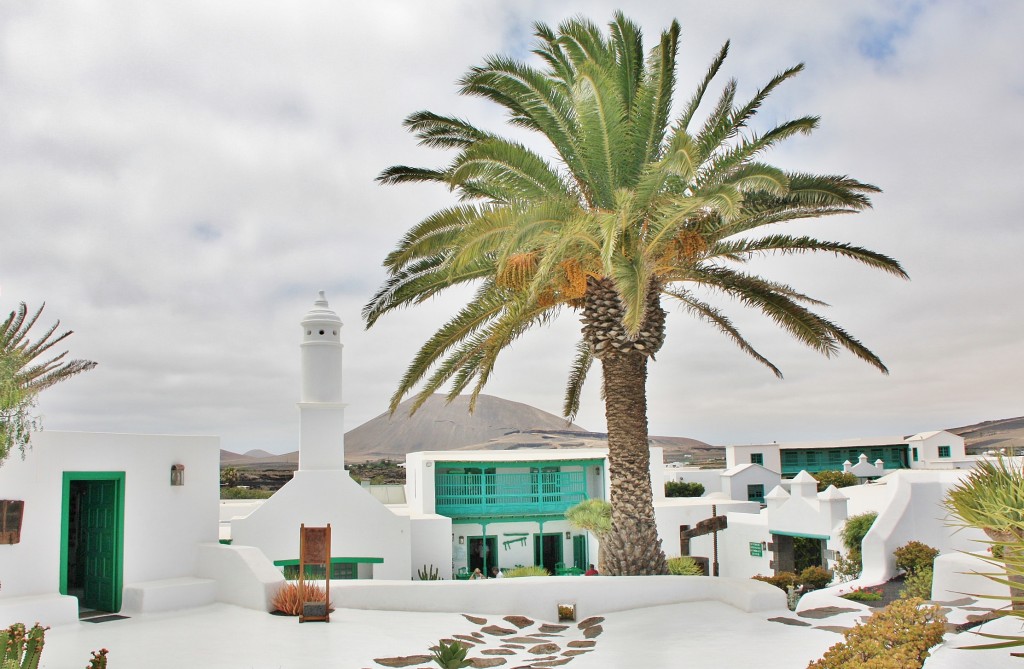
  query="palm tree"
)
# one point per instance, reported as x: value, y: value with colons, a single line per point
x: 631, y: 207
x: 26, y: 369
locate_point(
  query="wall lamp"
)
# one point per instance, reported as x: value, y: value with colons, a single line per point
x: 568, y: 536
x: 177, y: 474
x: 462, y: 540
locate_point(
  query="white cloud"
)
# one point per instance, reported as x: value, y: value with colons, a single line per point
x: 178, y: 179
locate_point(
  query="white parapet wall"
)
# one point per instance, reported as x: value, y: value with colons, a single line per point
x: 538, y: 597
x: 243, y: 575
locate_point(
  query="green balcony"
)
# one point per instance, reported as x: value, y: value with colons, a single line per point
x: 815, y: 460
x: 526, y: 493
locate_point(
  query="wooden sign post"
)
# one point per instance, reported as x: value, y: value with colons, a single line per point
x: 713, y: 526
x: 315, y: 551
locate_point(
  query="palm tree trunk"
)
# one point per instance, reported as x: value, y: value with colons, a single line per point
x: 632, y: 547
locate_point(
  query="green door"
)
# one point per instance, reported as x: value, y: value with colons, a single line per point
x: 99, y: 539
x: 579, y: 552
x: 92, y: 538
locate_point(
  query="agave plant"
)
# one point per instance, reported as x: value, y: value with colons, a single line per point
x: 450, y: 655
x: 991, y: 498
x: 1010, y: 567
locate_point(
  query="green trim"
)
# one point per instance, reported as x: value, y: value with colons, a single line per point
x: 335, y: 560
x: 504, y: 464
x: 823, y: 537
x: 65, y: 519
x: 226, y: 542
x: 515, y: 534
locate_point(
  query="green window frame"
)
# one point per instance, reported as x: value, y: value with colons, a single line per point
x: 757, y: 459
x: 755, y: 493
x: 944, y: 451
x: 811, y: 457
x: 914, y: 452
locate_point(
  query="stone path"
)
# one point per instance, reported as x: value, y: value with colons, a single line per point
x: 515, y: 642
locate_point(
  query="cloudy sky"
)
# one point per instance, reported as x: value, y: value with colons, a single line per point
x: 178, y: 179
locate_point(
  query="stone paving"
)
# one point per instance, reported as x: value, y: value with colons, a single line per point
x: 516, y: 642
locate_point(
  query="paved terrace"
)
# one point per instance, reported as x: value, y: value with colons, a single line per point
x: 622, y: 624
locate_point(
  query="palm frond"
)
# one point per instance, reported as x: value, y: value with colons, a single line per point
x: 710, y: 314
x: 577, y: 378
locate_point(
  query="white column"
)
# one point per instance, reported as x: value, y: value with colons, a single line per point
x: 322, y: 413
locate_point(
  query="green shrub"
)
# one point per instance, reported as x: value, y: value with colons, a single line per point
x: 782, y: 580
x: 815, y: 577
x: 846, y: 568
x: 244, y: 493
x: 855, y: 529
x: 683, y: 489
x: 896, y: 637
x: 918, y: 584
x: 684, y: 566
x: 517, y: 572
x: 838, y: 479
x: 915, y: 556
x: 864, y: 595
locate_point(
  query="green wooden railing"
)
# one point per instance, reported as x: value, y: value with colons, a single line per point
x: 535, y: 493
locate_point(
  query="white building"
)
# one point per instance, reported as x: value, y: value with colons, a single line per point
x: 104, y: 516
x: 927, y: 450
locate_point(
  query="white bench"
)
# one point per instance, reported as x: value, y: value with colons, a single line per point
x: 168, y: 594
x: 51, y: 609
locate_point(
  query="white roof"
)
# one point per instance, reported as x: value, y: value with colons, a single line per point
x: 860, y: 442
x: 733, y: 471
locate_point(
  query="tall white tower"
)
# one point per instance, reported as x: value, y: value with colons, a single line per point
x: 322, y: 414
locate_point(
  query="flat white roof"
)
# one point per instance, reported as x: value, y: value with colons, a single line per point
x: 515, y: 455
x: 860, y: 442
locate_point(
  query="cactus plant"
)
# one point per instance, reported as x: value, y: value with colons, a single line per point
x: 450, y: 656
x: 21, y: 648
x: 99, y: 659
x: 428, y: 573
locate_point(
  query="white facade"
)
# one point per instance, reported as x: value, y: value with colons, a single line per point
x: 766, y: 455
x: 507, y: 523
x: 749, y: 482
x: 939, y: 450
x: 156, y: 537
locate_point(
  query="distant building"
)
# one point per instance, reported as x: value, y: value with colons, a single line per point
x: 927, y: 450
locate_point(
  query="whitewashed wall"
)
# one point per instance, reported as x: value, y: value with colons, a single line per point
x: 711, y: 479
x: 740, y: 455
x: 672, y: 512
x: 431, y: 544
x: 360, y: 525
x: 163, y: 524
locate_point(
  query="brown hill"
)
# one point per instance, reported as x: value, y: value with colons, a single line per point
x: 993, y: 434
x: 437, y: 426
